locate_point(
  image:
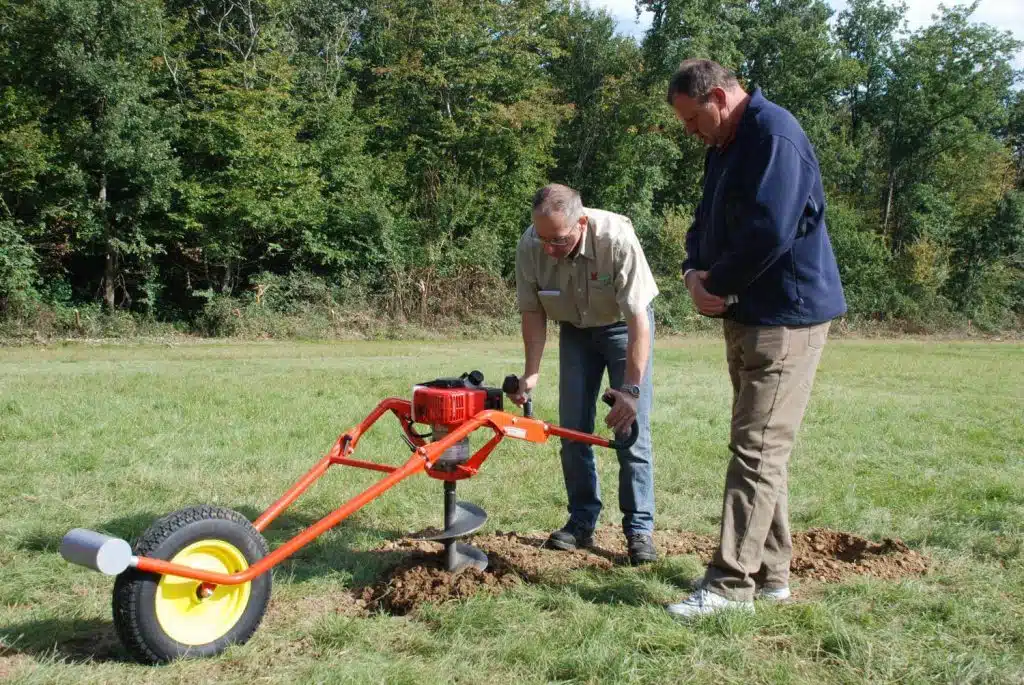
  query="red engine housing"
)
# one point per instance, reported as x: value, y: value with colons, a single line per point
x: 447, y: 406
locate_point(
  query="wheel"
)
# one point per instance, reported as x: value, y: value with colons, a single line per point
x: 160, y: 618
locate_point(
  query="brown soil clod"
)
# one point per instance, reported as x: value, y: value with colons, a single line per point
x: 830, y: 556
x: 818, y: 555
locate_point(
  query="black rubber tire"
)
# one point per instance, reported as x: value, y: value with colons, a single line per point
x: 134, y: 596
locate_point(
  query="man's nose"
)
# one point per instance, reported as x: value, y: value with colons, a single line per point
x: 550, y: 249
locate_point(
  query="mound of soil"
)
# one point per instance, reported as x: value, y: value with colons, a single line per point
x: 419, y: 576
x: 829, y: 556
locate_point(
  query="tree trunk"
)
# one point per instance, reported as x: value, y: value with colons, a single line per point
x: 855, y: 112
x: 110, y: 262
x: 888, y: 200
x: 226, y: 285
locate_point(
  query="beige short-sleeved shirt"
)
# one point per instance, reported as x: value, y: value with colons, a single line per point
x: 606, y: 281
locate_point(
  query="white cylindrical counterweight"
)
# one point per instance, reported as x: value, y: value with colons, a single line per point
x: 96, y: 551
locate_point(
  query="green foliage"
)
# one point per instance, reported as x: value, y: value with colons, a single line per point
x: 17, y: 268
x: 612, y: 148
x: 787, y: 51
x: 865, y: 264
x: 989, y: 286
x: 459, y: 105
x: 88, y: 67
x: 169, y: 158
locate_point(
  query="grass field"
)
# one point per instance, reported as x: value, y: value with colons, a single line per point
x: 909, y: 439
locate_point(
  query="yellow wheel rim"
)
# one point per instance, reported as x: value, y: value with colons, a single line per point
x: 187, y: 616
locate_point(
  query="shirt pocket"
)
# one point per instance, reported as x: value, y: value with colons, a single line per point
x: 602, y: 303
x: 557, y: 306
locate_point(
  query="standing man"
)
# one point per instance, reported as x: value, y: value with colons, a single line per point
x: 584, y: 269
x: 759, y: 256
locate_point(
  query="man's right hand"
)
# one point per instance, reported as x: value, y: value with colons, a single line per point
x: 706, y: 303
x: 526, y: 386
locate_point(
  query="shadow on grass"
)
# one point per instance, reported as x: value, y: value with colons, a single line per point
x: 321, y: 556
x: 622, y: 586
x: 617, y: 589
x: 81, y: 641
x: 351, y: 554
x: 77, y: 641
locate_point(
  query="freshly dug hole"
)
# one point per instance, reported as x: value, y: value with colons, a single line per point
x: 819, y: 554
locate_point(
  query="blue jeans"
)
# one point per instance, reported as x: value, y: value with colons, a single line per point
x: 584, y: 354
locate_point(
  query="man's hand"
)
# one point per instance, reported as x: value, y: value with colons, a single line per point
x: 623, y: 412
x: 526, y: 385
x: 707, y: 304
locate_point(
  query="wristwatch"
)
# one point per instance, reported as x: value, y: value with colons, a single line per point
x: 632, y: 390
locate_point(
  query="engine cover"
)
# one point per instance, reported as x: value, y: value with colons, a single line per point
x: 446, y: 407
x: 453, y: 401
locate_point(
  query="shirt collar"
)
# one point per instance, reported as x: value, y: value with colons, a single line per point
x: 587, y: 244
x: 754, y: 104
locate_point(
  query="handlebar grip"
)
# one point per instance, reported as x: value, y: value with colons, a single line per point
x: 510, y: 386
x: 634, y: 430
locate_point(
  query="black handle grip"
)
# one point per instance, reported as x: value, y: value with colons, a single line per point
x: 634, y: 430
x: 510, y: 386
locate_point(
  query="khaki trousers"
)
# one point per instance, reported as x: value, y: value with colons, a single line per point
x: 772, y: 370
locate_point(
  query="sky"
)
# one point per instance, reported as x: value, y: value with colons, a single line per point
x: 1004, y: 14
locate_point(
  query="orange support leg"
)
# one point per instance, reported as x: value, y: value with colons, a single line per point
x: 414, y: 465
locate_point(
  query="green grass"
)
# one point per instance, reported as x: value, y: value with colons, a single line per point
x: 909, y: 439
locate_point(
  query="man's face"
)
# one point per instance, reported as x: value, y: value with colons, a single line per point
x: 703, y: 119
x: 559, y: 237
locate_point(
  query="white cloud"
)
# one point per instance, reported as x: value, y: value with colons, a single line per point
x: 1007, y: 15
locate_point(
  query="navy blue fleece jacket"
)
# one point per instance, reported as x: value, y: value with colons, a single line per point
x: 760, y: 229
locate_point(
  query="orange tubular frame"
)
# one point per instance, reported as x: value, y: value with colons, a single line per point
x: 423, y: 458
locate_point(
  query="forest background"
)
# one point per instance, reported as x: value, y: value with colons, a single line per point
x: 332, y: 168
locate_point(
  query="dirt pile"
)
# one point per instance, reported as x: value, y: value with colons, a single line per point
x: 818, y: 555
x: 829, y: 556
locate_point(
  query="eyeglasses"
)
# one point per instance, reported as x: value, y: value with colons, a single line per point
x: 560, y: 242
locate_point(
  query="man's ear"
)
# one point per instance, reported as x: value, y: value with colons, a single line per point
x: 718, y: 96
x: 583, y: 220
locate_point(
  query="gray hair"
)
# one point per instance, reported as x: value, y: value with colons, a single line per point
x: 696, y: 77
x: 555, y: 198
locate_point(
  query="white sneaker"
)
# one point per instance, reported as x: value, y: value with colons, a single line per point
x: 775, y: 594
x: 703, y: 602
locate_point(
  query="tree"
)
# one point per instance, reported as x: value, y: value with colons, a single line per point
x: 950, y: 82
x: 461, y: 108
x: 24, y: 158
x: 1015, y: 134
x: 866, y: 33
x: 250, y: 190
x: 683, y: 29
x: 612, y: 148
x: 92, y: 62
x: 787, y: 51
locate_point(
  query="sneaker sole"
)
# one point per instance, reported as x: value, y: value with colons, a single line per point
x: 773, y: 600
x: 744, y: 610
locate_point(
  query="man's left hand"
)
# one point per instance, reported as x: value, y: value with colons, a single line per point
x: 623, y: 412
